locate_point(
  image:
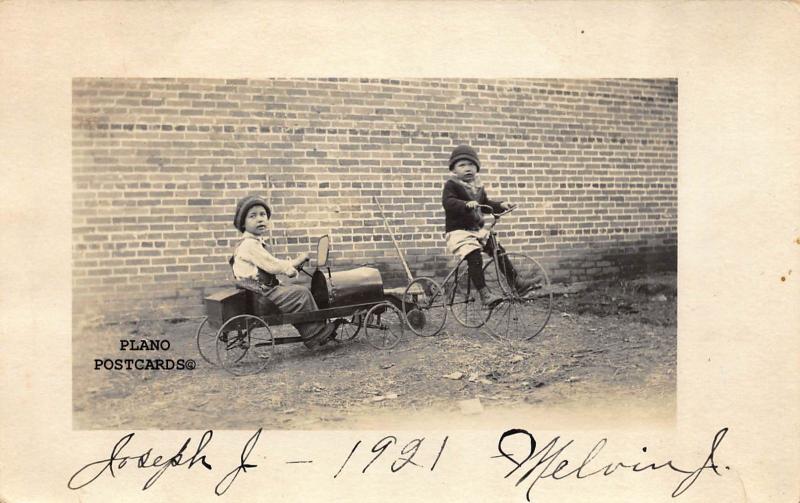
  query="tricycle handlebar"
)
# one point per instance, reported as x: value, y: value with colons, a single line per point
x: 497, y: 215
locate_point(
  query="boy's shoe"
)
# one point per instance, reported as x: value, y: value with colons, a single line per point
x: 336, y: 324
x: 524, y: 286
x: 328, y: 334
x: 488, y: 298
x: 316, y: 343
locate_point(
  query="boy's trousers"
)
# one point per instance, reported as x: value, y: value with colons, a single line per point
x: 296, y: 299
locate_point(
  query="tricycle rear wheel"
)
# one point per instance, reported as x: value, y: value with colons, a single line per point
x: 463, y: 299
x: 423, y: 307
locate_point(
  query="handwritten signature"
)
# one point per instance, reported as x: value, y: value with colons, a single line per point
x: 547, y: 462
x: 552, y: 453
x: 147, y: 460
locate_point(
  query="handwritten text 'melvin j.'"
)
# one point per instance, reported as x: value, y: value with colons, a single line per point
x: 549, y: 462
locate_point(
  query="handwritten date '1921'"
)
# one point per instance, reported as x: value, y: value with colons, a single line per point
x: 406, y: 456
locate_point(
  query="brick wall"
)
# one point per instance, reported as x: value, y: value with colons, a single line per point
x: 158, y: 165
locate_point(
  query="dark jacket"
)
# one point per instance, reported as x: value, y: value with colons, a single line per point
x: 456, y: 214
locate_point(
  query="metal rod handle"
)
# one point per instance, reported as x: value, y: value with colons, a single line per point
x: 391, y: 234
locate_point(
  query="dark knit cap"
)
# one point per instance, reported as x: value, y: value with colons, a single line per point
x: 464, y: 152
x: 244, y: 205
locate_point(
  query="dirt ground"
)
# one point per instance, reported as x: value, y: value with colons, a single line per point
x: 613, y: 345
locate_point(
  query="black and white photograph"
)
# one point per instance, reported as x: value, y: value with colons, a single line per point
x: 374, y: 251
x: 336, y: 253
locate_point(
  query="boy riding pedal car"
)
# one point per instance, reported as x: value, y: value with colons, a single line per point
x: 255, y: 269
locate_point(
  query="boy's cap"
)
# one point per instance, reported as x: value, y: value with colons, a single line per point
x: 244, y: 205
x: 464, y: 152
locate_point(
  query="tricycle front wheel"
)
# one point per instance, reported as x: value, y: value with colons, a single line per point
x: 528, y: 297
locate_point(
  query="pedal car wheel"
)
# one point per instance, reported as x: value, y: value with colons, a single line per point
x: 244, y: 345
x: 383, y: 326
x: 206, y: 342
x: 423, y: 307
x: 350, y: 328
x: 528, y: 299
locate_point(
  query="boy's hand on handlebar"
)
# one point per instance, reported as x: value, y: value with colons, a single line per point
x: 472, y: 205
x: 508, y: 206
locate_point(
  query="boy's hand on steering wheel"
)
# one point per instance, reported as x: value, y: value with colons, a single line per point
x: 300, y: 260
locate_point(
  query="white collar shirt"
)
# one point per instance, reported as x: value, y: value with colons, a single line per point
x: 252, y: 254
